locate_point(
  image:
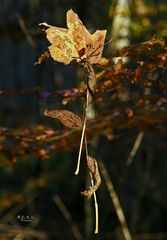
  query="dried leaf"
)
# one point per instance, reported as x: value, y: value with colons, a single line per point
x: 91, y: 164
x: 42, y: 57
x: 118, y: 66
x: 104, y: 62
x: 67, y: 118
x: 136, y: 49
x: 93, y: 168
x: 62, y: 48
x: 75, y: 42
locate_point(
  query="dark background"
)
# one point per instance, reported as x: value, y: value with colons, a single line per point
x: 28, y: 187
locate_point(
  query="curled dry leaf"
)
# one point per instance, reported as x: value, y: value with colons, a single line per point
x: 74, y: 42
x: 42, y: 57
x: 93, y: 168
x: 67, y: 118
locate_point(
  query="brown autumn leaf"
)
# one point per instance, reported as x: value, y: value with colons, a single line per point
x: 74, y: 42
x: 93, y: 168
x: 118, y: 66
x: 136, y: 49
x: 42, y: 57
x: 67, y: 118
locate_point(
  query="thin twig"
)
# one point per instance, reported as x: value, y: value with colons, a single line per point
x: 68, y: 217
x: 27, y: 34
x: 26, y: 231
x: 11, y: 214
x: 116, y: 202
x: 135, y: 147
x: 61, y: 136
x: 151, y: 236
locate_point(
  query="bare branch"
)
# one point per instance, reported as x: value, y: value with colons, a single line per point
x: 27, y: 34
x: 12, y: 230
x: 67, y: 215
x: 135, y: 147
x: 116, y: 202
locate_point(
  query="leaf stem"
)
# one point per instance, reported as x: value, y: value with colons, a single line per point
x: 94, y: 194
x: 96, y: 212
x: 83, y: 132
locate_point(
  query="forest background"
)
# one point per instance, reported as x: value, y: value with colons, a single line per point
x: 37, y: 177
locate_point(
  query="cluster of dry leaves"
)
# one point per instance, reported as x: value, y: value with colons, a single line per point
x: 125, y: 97
x: 126, y: 106
x: 131, y: 108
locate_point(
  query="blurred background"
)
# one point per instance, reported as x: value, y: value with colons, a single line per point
x: 46, y: 189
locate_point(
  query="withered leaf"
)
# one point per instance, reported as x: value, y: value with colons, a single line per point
x: 136, y: 49
x: 91, y: 163
x: 67, y: 118
x: 118, y: 66
x: 68, y: 44
x: 92, y: 43
x: 93, y: 168
x: 42, y: 57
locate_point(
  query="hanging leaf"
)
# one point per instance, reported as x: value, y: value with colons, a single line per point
x: 74, y: 42
x: 93, y: 168
x: 67, y: 118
